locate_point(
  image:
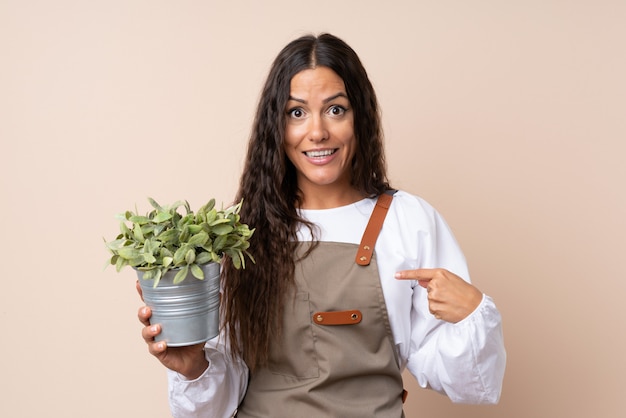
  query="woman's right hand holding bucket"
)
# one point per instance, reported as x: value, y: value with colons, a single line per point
x: 188, y: 361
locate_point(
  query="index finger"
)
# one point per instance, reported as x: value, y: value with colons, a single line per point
x: 423, y: 275
x: 138, y: 287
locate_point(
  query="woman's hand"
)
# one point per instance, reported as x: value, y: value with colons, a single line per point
x: 189, y: 361
x: 450, y: 298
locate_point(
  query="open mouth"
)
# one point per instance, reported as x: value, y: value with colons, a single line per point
x: 320, y: 153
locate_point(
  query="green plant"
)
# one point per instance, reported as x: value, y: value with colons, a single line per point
x: 165, y: 239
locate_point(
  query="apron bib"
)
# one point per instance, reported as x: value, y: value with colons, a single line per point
x: 336, y: 356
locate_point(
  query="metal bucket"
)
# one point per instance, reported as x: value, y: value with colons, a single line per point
x: 188, y: 311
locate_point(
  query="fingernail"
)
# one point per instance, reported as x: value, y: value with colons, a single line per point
x: 154, y: 328
x: 398, y: 275
x: 161, y: 346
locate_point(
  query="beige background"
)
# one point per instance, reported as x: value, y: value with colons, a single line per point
x: 508, y: 116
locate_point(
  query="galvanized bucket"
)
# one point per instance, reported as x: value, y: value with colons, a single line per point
x: 188, y: 311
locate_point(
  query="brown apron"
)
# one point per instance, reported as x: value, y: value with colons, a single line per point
x: 337, y: 356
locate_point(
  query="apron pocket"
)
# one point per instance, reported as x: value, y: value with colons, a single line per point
x: 295, y: 356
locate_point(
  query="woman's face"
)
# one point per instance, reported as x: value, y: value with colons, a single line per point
x: 319, y: 134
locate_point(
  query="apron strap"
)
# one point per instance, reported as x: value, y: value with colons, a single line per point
x: 374, y: 225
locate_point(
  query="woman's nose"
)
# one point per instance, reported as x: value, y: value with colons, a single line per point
x: 318, y: 130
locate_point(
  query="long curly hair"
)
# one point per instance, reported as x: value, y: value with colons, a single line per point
x: 254, y: 297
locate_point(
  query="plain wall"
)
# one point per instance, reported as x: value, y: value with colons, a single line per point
x: 508, y: 116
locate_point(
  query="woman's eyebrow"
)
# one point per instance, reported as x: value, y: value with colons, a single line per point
x: 295, y: 99
x: 329, y: 99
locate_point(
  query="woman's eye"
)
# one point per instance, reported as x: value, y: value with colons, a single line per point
x: 337, y: 110
x: 296, y: 113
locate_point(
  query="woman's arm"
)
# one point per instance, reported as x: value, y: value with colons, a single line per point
x: 216, y: 393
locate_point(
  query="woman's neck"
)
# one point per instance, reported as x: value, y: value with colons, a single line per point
x: 328, y: 199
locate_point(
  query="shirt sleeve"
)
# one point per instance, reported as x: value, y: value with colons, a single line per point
x: 216, y: 393
x: 465, y: 361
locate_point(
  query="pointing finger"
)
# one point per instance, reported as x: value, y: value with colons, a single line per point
x: 417, y: 274
x: 138, y: 287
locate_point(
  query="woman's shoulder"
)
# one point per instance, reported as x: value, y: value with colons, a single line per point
x: 404, y: 200
x: 409, y: 213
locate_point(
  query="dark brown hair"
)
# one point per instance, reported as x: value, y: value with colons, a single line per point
x: 253, y: 298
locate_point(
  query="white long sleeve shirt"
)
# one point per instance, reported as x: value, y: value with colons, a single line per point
x: 465, y: 361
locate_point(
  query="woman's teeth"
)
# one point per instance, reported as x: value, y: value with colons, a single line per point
x: 317, y: 154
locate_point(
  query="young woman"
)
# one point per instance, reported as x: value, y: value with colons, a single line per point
x: 353, y: 281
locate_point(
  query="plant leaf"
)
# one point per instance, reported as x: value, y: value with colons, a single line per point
x: 154, y: 204
x: 250, y: 257
x: 157, y: 277
x: 137, y: 232
x: 197, y: 272
x: 180, y: 276
x: 219, y: 243
x: 168, y: 237
x: 211, y: 216
x: 184, y: 235
x: 162, y: 217
x: 236, y: 260
x: 116, y: 244
x: 179, y: 255
x: 203, y: 258
x: 199, y: 239
x: 138, y: 219
x: 222, y: 229
x: 190, y: 257
x: 218, y: 221
x: 120, y: 263
x: 208, y: 206
x: 128, y: 253
x: 167, y: 261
